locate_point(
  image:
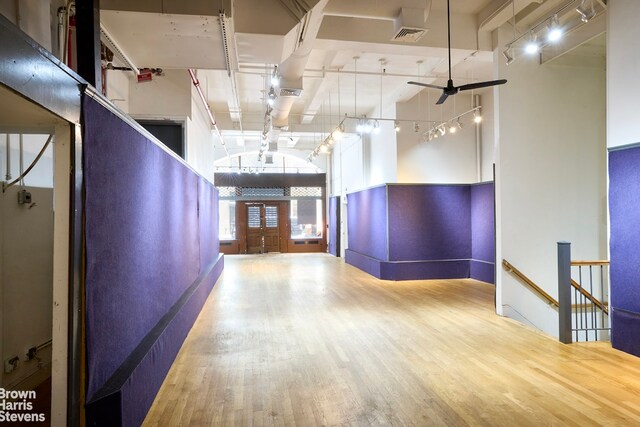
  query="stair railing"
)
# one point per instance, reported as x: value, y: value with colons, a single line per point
x: 583, y: 313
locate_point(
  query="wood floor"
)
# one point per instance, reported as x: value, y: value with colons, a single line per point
x: 304, y: 339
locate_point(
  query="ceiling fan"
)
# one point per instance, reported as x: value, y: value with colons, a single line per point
x: 450, y: 89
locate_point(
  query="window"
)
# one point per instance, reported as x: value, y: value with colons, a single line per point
x: 271, y: 216
x: 253, y: 215
x: 227, y: 222
x: 306, y: 218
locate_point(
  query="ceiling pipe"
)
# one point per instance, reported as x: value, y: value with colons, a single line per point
x: 292, y: 69
x: 196, y: 83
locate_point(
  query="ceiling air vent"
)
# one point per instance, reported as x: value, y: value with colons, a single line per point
x: 284, y: 91
x: 410, y: 35
x: 408, y: 26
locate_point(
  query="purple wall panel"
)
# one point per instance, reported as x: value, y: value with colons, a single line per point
x: 367, y: 222
x: 136, y: 399
x: 625, y: 331
x: 363, y: 262
x: 334, y: 226
x: 483, y: 271
x: 483, y: 245
x: 429, y: 222
x: 208, y: 222
x: 142, y: 238
x: 624, y: 211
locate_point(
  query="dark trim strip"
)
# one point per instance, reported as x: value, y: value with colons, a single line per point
x: 624, y: 147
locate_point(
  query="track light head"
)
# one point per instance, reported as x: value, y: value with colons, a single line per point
x: 396, y: 126
x: 452, y: 128
x: 508, y: 54
x: 555, y: 30
x: 477, y: 118
x: 376, y: 127
x: 532, y: 47
x: 586, y: 14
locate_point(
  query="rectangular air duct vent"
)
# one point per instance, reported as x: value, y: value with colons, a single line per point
x: 284, y: 91
x: 408, y: 26
x: 409, y: 35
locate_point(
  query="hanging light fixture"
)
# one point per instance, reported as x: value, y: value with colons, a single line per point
x: 586, y: 14
x: 275, y: 78
x: 555, y: 30
x: 509, y: 55
x: 532, y: 47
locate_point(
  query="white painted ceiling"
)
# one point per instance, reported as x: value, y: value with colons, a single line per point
x: 263, y: 33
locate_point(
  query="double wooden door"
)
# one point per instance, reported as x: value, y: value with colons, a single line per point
x: 263, y: 228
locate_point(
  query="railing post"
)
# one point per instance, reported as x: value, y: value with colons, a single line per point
x: 564, y: 291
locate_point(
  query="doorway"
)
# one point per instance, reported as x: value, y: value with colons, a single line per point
x: 263, y: 229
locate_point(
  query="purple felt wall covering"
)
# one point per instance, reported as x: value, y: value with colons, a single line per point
x: 429, y: 222
x: 367, y: 222
x: 141, y: 234
x: 625, y: 331
x: 151, y: 229
x: 483, y: 245
x: 624, y: 213
x: 334, y: 226
x: 483, y: 271
x: 434, y: 232
x: 363, y: 262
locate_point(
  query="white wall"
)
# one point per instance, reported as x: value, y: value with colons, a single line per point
x: 36, y: 18
x: 623, y: 67
x: 551, y: 177
x: 380, y: 149
x: 118, y: 83
x: 167, y: 96
x: 201, y: 140
x: 487, y: 136
x: 26, y: 282
x: 448, y: 159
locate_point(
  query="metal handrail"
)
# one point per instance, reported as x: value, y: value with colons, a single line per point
x: 510, y: 268
x: 590, y: 297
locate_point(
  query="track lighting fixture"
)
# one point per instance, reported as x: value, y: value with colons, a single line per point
x: 452, y: 128
x: 275, y: 77
x: 532, y: 47
x: 376, y: 127
x: 416, y: 127
x: 396, y: 126
x: 555, y: 30
x: 324, y: 149
x: 586, y: 13
x: 442, y: 130
x: 509, y: 55
x: 360, y: 127
x: 477, y: 118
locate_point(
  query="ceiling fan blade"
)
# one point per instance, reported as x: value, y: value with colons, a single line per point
x: 443, y: 98
x: 482, y: 84
x: 426, y: 85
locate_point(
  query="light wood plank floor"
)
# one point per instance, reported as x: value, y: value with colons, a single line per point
x: 307, y: 340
